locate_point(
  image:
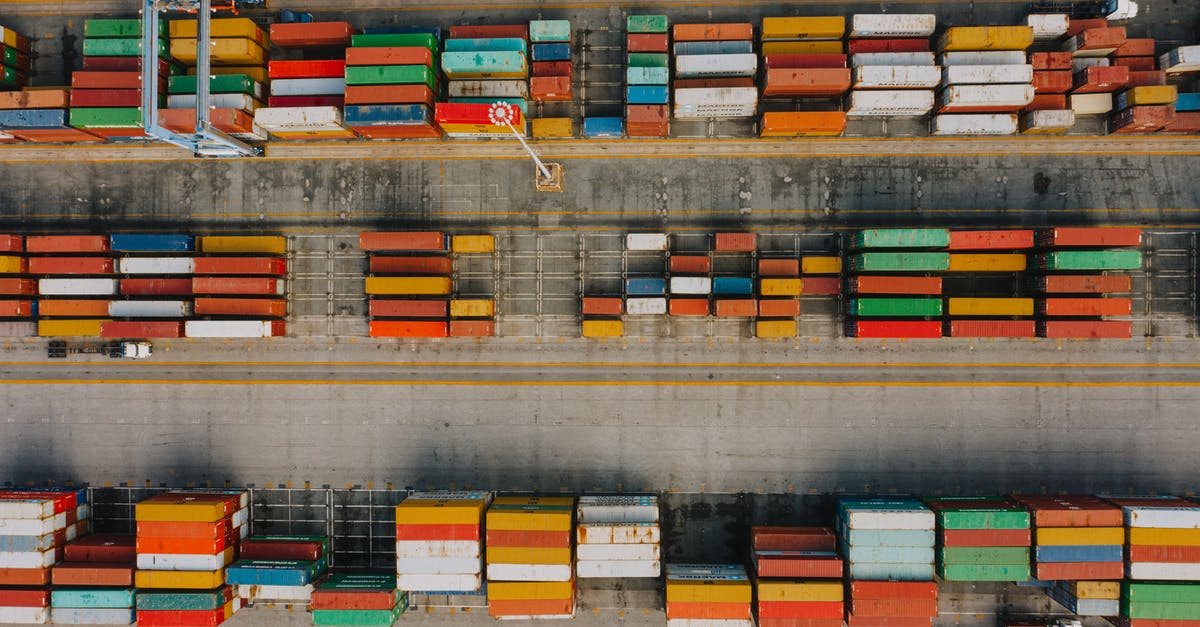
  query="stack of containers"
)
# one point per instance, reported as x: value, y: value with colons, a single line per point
x: 39, y: 114
x: 1178, y: 63
x: 804, y: 69
x: 392, y: 85
x: 894, y: 71
x: 1087, y: 598
x: 409, y: 292
x: 690, y: 283
x: 14, y: 59
x: 239, y: 286
x: 94, y: 585
x: 1158, y: 604
x: 1089, y: 250
x: 472, y: 317
x: 34, y: 528
x: 550, y: 42
x: 16, y: 291
x: 77, y: 283
x: 307, y: 95
x: 1052, y: 79
x: 139, y: 257
x: 708, y: 594
x: 1095, y: 78
x: 889, y: 546
x: 278, y: 568
x: 647, y: 76
x: 733, y: 276
x: 618, y: 536
x: 108, y: 102
x: 1147, y: 91
x: 715, y: 66
x: 1076, y: 537
x: 645, y: 295
x: 891, y: 287
x: 982, y: 539
x: 985, y: 80
x: 797, y: 576
x: 986, y: 254
x: 485, y: 65
x: 779, y: 289
x: 238, y: 81
x: 529, y: 557
x: 821, y: 275
x: 1187, y: 114
x: 184, y: 542
x: 1162, y: 538
x: 439, y: 547
x: 357, y: 599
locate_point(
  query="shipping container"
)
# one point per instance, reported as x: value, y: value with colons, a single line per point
x: 985, y: 98
x: 237, y: 285
x: 1085, y: 284
x: 1091, y: 104
x: 17, y: 287
x: 463, y: 65
x: 552, y: 128
x: 975, y: 262
x: 252, y: 307
x: 688, y: 307
x: 1100, y: 79
x: 149, y: 308
x: 779, y: 287
x: 645, y: 306
x: 802, y: 124
x: 784, y: 267
x: 606, y: 127
x: 983, y: 57
x: 894, y: 307
x: 974, y: 124
x: 404, y: 308
x: 11, y: 264
x: 889, y: 329
x: 1147, y: 95
x: 16, y: 308
x: 1050, y: 61
x: 958, y: 38
x: 900, y: 262
x: 234, y: 328
x: 892, y: 59
x: 735, y: 307
x: 1048, y: 25
x: 1047, y: 121
x: 646, y: 42
x: 856, y: 46
x: 993, y: 328
x: 899, y: 238
x: 713, y: 32
x: 155, y: 287
x: 1088, y: 329
x: 765, y: 329
x: 893, y: 77
x: 73, y: 308
x: 645, y: 286
x: 890, y: 103
x: 892, y: 25
x: 646, y: 24
x: 990, y: 240
x: 271, y: 266
x: 401, y: 55
x: 490, y: 30
x: 1092, y: 237
x: 415, y: 285
x: 66, y: 243
x: 77, y: 287
x: 1096, y: 42
x: 1062, y: 307
x: 69, y: 328
x: 735, y: 242
x: 243, y: 244
x: 156, y: 265
x: 733, y: 285
x: 986, y: 74
x: 787, y: 28
x: 716, y: 65
x: 1091, y: 260
x: 311, y: 34
x: 785, y: 61
x: 778, y: 307
x: 472, y: 308
x: 601, y: 306
x: 990, y: 307
x: 814, y: 83
x: 229, y: 51
x: 689, y: 264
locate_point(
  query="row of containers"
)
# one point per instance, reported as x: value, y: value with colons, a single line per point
x: 193, y: 559
x: 143, y: 286
x: 799, y: 76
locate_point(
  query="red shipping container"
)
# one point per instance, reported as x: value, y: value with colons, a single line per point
x: 424, y: 532
x: 647, y: 42
x: 896, y: 329
x: 235, y: 285
x: 122, y: 64
x: 519, y: 31
x: 1101, y: 38
x: 343, y: 599
x: 227, y: 120
x: 1143, y: 119
x: 397, y: 55
x: 986, y: 537
x: 1168, y: 554
x: 786, y: 61
x: 389, y: 94
x: 408, y: 328
x: 799, y: 564
x: 712, y: 83
x: 1086, y: 330
x: 800, y: 622
x: 822, y: 286
x: 736, y: 307
x: 601, y: 306
x: 402, y: 240
x: 92, y: 574
x: 272, y: 266
x: 1074, y: 27
x: 1070, y: 510
x: 17, y: 287
x: 1100, y: 79
x: 24, y: 576
x: 1146, y: 78
x: 689, y: 264
x: 895, y: 285
x: 35, y: 99
x: 106, y: 98
x: 155, y: 287
x: 899, y: 607
x: 736, y: 242
x: 778, y: 308
x: 12, y: 243
x: 653, y: 116
x: 1086, y: 284
x: 257, y: 307
x: 400, y: 308
x: 1051, y: 61
x: 1091, y: 236
x: 739, y: 31
x: 119, y: 132
x: 1103, y: 571
x: 306, y: 101
x: 1137, y: 64
x: 811, y: 82
x: 1048, y: 102
x: 411, y: 265
x: 779, y: 267
x: 801, y: 609
x: 911, y: 44
x: 109, y: 80
x: 188, y: 546
x: 544, y: 539
x: 1053, y: 82
x: 311, y: 34
x: 102, y: 547
x: 1086, y: 306
x: 173, y: 618
x: 279, y: 550
x: 705, y: 611
x: 1185, y: 122
x: 893, y: 590
x: 792, y: 539
x: 993, y: 328
x: 472, y: 328
x: 155, y: 329
x: 550, y: 88
x: 24, y: 598
x: 306, y: 69
x: 70, y: 265
x: 53, y: 136
x: 154, y: 529
x: 404, y: 131
x: 553, y: 68
x: 991, y: 240
x: 531, y: 607
x: 1139, y: 47
x: 66, y: 243
x: 688, y: 307
x: 887, y: 621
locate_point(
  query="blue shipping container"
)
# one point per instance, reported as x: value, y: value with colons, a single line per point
x: 397, y: 29
x: 1080, y: 553
x: 733, y: 285
x: 1188, y: 102
x: 645, y: 287
x: 108, y: 598
x: 603, y: 127
x: 152, y: 243
x: 497, y: 44
x: 33, y: 118
x: 273, y: 572
x: 647, y: 75
x: 714, y: 47
x: 551, y: 52
x: 647, y: 94
x: 386, y: 115
x: 519, y: 103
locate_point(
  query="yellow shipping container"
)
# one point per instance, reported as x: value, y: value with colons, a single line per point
x: 549, y: 128
x: 527, y: 555
x: 257, y: 72
x: 1110, y: 590
x: 774, y: 590
x: 603, y: 328
x: 473, y: 244
x: 802, y: 47
x: 1164, y: 537
x: 821, y: 265
x: 300, y: 135
x: 472, y: 308
x: 182, y: 579
x: 528, y: 520
x: 69, y: 328
x: 179, y: 511
x: 779, y: 287
x: 830, y: 27
x: 986, y: 262
x: 221, y: 28
x: 239, y: 51
x: 775, y: 328
x: 991, y: 307
x: 404, y: 285
x: 708, y: 591
x: 423, y: 512
x: 480, y: 129
x: 1151, y: 95
x: 272, y: 244
x: 11, y: 265
x: 961, y: 38
x: 530, y: 590
x: 1076, y: 536
x: 548, y: 501
x: 9, y: 37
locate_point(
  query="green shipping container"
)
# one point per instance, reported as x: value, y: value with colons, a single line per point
x: 900, y: 262
x: 549, y: 31
x: 361, y: 618
x: 900, y: 238
x: 219, y: 84
x: 101, y: 29
x: 975, y: 572
x: 179, y: 600
x: 983, y: 519
x: 424, y: 40
x: 1156, y: 592
x: 984, y: 555
x: 648, y: 59
x: 482, y: 64
x: 120, y: 48
x: 106, y: 117
x: 646, y: 24
x: 1160, y: 611
x: 390, y: 75
x: 8, y: 56
x: 1092, y: 260
x: 888, y: 307
x: 9, y: 77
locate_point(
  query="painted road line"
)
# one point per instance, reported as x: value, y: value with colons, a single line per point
x: 615, y: 383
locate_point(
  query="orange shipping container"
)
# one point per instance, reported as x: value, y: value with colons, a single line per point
x: 1048, y: 102
x: 54, y: 135
x: 688, y: 307
x: 17, y: 287
x: 24, y: 576
x: 1074, y: 27
x: 402, y: 240
x: 894, y: 285
x: 1087, y: 307
x: 1084, y: 284
x: 779, y: 307
x: 91, y: 574
x: 737, y: 307
x: 73, y: 308
x: 1052, y: 82
x: 258, y: 307
x: 1137, y: 64
x: 226, y: 119
x: 35, y: 99
x: 736, y: 242
x: 441, y: 266
x: 714, y: 32
x: 689, y: 264
x: 803, y: 123
x: 779, y: 267
x: 1140, y: 47
x: 708, y: 611
x: 157, y: 529
x: 66, y: 244
x: 388, y: 94
x: 1146, y: 78
x: 396, y: 55
x: 536, y: 607
x: 235, y: 285
x: 601, y: 306
x: 16, y: 308
x: 810, y: 82
x: 70, y: 265
x: 240, y: 265
x: 402, y: 308
x: 647, y: 42
x: 1051, y: 61
x: 550, y: 88
x: 472, y: 328
x: 408, y: 328
x: 11, y: 243
x: 655, y: 115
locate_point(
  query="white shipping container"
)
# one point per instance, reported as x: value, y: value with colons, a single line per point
x: 82, y: 512
x: 27, y: 508
x: 91, y: 616
x: 618, y: 552
x: 716, y: 111
x: 890, y: 103
x: 438, y: 583
x: 690, y: 285
x: 60, y: 521
x: 591, y: 569
x: 897, y: 76
x: 18, y: 329
x: 308, y: 86
x: 883, y: 519
x: 1170, y: 571
x: 1163, y: 517
x: 715, y: 65
x: 24, y: 615
x: 716, y: 102
x: 291, y: 594
x: 439, y: 565
x: 77, y: 287
x: 984, y: 57
x: 618, y: 533
x: 150, y: 308
x: 645, y: 306
x: 891, y: 58
x: 1048, y: 120
x: 227, y: 328
x: 438, y: 548
x: 975, y: 124
x: 893, y: 24
x: 156, y: 265
x: 1072, y: 46
x: 1091, y: 104
x: 26, y: 526
x: 488, y: 89
x: 220, y: 101
x: 615, y: 509
x: 529, y: 572
x: 997, y: 96
x: 1078, y: 64
x: 190, y: 561
x: 299, y: 118
x: 646, y: 241
x: 27, y: 559
x: 1181, y: 60
x: 1048, y: 25
x: 986, y: 74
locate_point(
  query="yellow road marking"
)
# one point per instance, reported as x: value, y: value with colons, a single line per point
x: 707, y: 384
x: 602, y: 364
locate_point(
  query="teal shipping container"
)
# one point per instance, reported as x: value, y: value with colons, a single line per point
x: 647, y: 75
x: 497, y: 44
x: 900, y: 238
x: 549, y: 31
x: 484, y: 65
x: 900, y: 262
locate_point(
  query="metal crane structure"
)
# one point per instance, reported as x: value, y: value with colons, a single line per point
x: 206, y: 140
x: 547, y: 177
